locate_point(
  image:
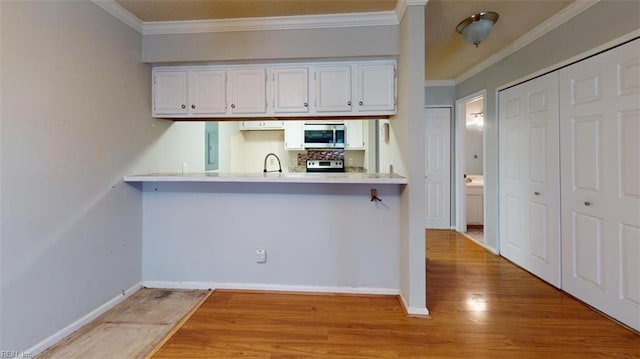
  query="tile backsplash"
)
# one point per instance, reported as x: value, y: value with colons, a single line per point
x: 320, y: 155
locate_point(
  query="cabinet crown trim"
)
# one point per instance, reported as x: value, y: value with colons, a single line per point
x: 379, y: 18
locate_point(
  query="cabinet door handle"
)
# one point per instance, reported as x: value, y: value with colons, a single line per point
x: 183, y: 106
x: 306, y: 104
x: 233, y: 106
x: 587, y: 203
x: 536, y: 193
x: 360, y: 103
x: 348, y: 103
x: 193, y: 106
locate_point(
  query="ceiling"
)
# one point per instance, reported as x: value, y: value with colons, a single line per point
x: 447, y: 55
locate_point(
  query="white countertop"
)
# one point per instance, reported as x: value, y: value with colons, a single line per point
x: 272, y: 177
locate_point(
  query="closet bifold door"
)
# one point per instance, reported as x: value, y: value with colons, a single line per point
x: 600, y: 161
x: 529, y: 177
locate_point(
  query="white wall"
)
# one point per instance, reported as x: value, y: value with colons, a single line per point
x: 389, y: 152
x: 268, y: 45
x: 315, y: 235
x: 257, y: 144
x: 1, y: 201
x: 75, y: 119
x: 180, y: 143
x: 440, y: 96
x: 408, y: 127
x: 570, y: 39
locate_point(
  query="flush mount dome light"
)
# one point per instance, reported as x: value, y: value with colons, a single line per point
x: 476, y: 28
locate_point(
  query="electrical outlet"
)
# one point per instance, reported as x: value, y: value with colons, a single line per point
x: 185, y: 167
x: 261, y: 255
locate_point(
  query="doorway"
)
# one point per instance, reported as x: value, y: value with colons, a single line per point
x: 470, y: 167
x: 437, y: 168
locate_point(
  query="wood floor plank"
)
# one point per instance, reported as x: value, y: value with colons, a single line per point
x: 131, y: 329
x: 481, y: 306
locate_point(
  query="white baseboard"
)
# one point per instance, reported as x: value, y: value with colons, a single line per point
x: 178, y: 285
x: 269, y: 287
x: 492, y: 250
x: 481, y: 244
x: 413, y: 311
x: 86, y: 319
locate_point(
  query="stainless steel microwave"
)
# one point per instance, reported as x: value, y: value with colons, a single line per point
x: 324, y: 135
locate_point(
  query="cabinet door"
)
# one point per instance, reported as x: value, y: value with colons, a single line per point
x: 207, y: 93
x: 474, y: 208
x: 376, y: 87
x: 290, y: 90
x: 248, y: 91
x: 261, y: 125
x: 272, y: 125
x: 355, y: 135
x: 170, y: 92
x: 333, y: 89
x: 251, y: 125
x: 294, y: 135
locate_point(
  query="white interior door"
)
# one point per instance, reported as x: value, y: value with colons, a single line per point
x: 437, y: 176
x: 529, y: 176
x: 600, y: 131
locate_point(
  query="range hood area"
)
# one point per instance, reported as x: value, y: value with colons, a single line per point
x: 242, y: 146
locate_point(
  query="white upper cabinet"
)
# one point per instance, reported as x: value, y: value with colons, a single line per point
x: 359, y: 88
x: 333, y: 89
x: 294, y: 135
x: 189, y: 92
x: 376, y: 87
x: 261, y: 125
x: 248, y: 87
x: 170, y: 92
x: 355, y: 135
x: 290, y: 89
x: 207, y: 92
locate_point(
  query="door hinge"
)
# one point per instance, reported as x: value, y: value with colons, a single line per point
x: 394, y: 72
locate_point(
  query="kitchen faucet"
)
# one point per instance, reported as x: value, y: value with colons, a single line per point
x: 265, y: 163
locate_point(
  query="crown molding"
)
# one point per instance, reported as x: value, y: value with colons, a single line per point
x: 379, y: 18
x: 633, y: 35
x: 553, y: 22
x: 120, y: 13
x: 401, y: 6
x: 439, y: 83
x: 301, y: 22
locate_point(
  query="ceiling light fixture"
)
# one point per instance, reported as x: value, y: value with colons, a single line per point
x: 476, y: 28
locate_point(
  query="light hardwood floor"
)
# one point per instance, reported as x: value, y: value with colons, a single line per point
x: 481, y: 306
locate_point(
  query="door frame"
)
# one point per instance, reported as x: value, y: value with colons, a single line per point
x: 459, y: 183
x: 451, y: 148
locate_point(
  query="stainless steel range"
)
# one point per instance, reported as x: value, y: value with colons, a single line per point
x: 325, y: 166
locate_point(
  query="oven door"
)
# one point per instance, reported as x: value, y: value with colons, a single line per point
x: 324, y: 136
